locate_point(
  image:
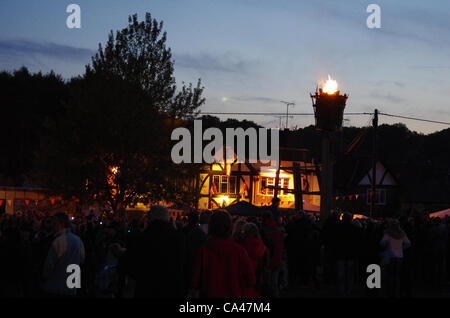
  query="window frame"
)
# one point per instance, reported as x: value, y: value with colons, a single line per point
x: 380, y: 196
x: 224, y: 180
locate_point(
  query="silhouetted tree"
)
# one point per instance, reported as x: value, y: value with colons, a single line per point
x: 113, y: 143
x: 138, y: 55
x: 27, y: 101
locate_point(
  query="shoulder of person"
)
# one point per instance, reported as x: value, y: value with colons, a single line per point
x: 240, y: 249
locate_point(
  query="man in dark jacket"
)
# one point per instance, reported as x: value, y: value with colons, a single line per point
x: 156, y: 261
x: 303, y: 248
x: 195, y: 239
x: 347, y: 239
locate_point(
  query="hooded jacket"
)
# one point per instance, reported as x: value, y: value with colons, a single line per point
x: 276, y: 237
x: 255, y: 249
x: 223, y: 270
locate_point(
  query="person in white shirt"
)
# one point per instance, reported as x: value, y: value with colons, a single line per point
x: 395, y: 241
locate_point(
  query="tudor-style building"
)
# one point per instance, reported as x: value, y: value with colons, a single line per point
x: 353, y: 188
x: 385, y: 189
x: 222, y: 184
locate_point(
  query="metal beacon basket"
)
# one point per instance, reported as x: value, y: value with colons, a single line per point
x: 328, y: 110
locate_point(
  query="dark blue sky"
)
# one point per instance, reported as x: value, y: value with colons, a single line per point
x: 251, y: 54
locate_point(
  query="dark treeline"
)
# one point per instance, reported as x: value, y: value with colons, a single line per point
x: 395, y: 144
x: 29, y: 101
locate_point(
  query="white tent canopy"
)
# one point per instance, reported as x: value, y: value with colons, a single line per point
x: 440, y: 214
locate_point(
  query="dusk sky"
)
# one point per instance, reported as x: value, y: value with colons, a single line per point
x: 250, y: 54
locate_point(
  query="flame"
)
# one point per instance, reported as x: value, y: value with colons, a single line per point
x: 331, y: 86
x: 114, y: 170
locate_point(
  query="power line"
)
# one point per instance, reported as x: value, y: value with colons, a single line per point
x: 272, y: 114
x: 312, y: 114
x: 418, y: 119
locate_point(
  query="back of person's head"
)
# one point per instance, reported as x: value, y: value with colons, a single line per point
x: 357, y: 223
x: 347, y: 217
x: 158, y: 213
x: 193, y: 217
x: 276, y: 201
x: 437, y: 221
x: 394, y: 229
x: 312, y: 219
x: 47, y: 223
x: 238, y: 228
x: 117, y: 250
x: 219, y: 226
x: 299, y: 215
x: 251, y: 230
x: 61, y: 219
x: 334, y: 216
x: 204, y: 217
x: 266, y: 215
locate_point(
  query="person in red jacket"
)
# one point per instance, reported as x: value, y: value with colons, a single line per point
x: 223, y: 268
x: 255, y: 249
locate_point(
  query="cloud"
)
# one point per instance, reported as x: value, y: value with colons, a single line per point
x: 229, y: 63
x: 427, y: 26
x: 387, y: 97
x: 441, y: 112
x: 259, y: 99
x: 430, y: 67
x: 28, y: 48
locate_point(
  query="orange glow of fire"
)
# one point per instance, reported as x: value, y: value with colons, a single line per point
x: 114, y: 170
x: 331, y: 86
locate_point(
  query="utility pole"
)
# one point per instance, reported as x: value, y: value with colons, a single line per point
x: 374, y: 162
x: 326, y: 184
x: 287, y: 110
x: 277, y: 180
x: 297, y: 187
x: 280, y: 118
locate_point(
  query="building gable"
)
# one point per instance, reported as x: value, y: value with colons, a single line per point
x: 383, y: 177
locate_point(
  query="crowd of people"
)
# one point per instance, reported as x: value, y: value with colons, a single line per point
x: 215, y: 254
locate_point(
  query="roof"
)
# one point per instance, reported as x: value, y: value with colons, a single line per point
x: 418, y: 183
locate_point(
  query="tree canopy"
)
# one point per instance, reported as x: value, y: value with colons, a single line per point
x: 27, y: 101
x: 112, y: 143
x: 138, y: 54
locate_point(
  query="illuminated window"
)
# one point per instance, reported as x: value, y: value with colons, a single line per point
x: 268, y: 181
x: 225, y: 185
x: 232, y: 185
